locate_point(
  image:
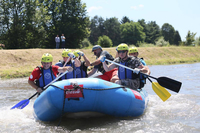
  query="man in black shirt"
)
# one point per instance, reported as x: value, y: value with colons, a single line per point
x: 98, y: 52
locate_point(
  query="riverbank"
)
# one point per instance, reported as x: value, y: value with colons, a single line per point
x: 21, y: 62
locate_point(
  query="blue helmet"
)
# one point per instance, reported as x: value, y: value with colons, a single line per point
x: 96, y: 47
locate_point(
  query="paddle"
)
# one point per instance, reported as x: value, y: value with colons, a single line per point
x: 25, y: 102
x: 160, y: 91
x: 163, y: 81
x: 169, y: 83
x: 65, y: 64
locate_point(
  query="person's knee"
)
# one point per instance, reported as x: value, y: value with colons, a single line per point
x: 114, y: 78
x: 117, y: 82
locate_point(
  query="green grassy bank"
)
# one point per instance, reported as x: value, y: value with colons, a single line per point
x: 21, y: 62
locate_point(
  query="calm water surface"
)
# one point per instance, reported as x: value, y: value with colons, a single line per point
x: 180, y: 113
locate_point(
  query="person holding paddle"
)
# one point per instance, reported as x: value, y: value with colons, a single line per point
x: 81, y: 72
x: 67, y: 55
x: 133, y: 51
x: 43, y: 75
x: 99, y: 52
x: 126, y: 77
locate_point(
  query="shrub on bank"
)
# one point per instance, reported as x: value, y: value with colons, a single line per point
x: 161, y: 42
x: 104, y: 41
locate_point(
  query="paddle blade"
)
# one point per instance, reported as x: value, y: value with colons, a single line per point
x: 160, y: 91
x: 170, y: 84
x: 21, y: 104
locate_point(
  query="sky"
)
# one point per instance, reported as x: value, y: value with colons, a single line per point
x: 183, y: 15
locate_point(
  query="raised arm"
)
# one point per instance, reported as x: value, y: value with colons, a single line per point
x: 77, y: 62
x: 105, y: 66
x: 87, y: 62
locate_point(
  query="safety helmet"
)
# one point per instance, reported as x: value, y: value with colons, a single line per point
x: 76, y: 53
x: 66, y: 52
x: 133, y: 50
x: 96, y: 47
x: 47, y: 57
x: 122, y: 46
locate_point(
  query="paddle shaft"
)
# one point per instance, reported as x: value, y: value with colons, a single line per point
x: 50, y: 83
x: 56, y: 79
x: 65, y: 64
x: 126, y: 67
x: 163, y: 81
x: 129, y: 68
x: 25, y: 102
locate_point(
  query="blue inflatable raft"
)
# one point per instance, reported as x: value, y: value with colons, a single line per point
x: 89, y: 94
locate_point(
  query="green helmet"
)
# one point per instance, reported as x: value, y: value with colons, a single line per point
x: 133, y: 50
x: 122, y: 46
x: 76, y: 53
x: 47, y: 57
x: 66, y: 52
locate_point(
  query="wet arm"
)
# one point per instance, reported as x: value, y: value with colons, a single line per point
x: 97, y: 62
x: 77, y: 62
x: 92, y: 72
x: 144, y: 69
x: 87, y: 62
x: 63, y: 69
x: 108, y: 67
x: 32, y: 84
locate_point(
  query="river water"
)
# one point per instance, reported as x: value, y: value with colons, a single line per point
x: 180, y: 113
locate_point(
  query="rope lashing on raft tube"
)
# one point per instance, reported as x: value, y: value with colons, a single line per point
x: 78, y: 87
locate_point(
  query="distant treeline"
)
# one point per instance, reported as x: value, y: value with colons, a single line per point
x: 35, y: 24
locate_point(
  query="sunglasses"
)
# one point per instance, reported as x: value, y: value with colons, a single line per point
x: 121, y: 51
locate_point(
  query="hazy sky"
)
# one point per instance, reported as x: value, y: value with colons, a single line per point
x: 183, y: 15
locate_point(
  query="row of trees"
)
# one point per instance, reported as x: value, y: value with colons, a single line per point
x: 138, y: 32
x: 35, y: 23
x: 132, y: 32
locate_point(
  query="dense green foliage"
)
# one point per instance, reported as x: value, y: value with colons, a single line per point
x: 168, y: 32
x: 85, y: 43
x: 35, y: 24
x: 104, y: 41
x: 190, y: 38
x: 132, y: 32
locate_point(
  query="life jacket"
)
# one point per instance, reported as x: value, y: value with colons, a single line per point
x: 142, y: 61
x: 46, y: 77
x: 69, y: 75
x: 142, y: 77
x: 80, y: 73
x: 124, y: 73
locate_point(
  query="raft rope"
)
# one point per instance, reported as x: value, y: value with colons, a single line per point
x: 78, y: 87
x: 62, y: 113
